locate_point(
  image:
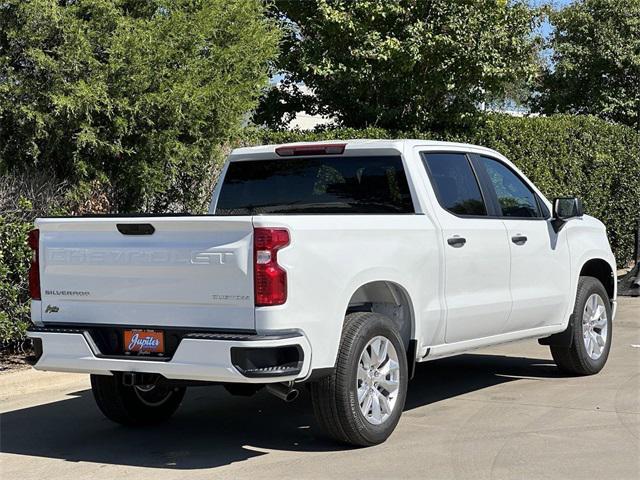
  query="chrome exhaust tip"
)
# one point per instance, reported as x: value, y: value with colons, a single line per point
x: 283, y: 391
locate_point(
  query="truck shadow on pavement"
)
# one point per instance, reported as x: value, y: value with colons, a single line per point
x: 213, y: 428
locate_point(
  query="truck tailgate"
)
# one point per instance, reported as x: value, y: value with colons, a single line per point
x: 193, y: 271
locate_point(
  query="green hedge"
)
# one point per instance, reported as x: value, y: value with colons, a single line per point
x: 22, y: 199
x: 14, y: 294
x: 564, y: 155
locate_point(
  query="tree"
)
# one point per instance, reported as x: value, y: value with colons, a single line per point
x: 136, y: 94
x: 595, y: 66
x: 401, y: 64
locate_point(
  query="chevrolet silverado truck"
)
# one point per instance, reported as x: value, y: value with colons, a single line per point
x: 338, y: 265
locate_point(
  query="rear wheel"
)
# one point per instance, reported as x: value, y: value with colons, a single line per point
x: 361, y: 402
x: 592, y: 326
x: 135, y: 405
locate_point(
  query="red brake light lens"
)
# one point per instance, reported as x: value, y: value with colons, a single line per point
x: 313, y: 149
x: 33, y: 240
x: 270, y: 279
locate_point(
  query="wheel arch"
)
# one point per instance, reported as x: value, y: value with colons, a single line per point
x: 602, y: 270
x: 388, y: 298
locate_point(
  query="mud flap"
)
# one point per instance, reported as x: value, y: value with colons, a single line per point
x: 411, y: 357
x: 562, y: 339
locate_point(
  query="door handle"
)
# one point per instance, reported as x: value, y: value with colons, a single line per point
x: 519, y: 239
x: 456, y: 242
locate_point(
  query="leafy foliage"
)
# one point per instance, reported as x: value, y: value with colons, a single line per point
x: 135, y: 94
x: 14, y: 264
x: 596, y: 61
x: 22, y: 198
x: 564, y: 155
x: 402, y: 64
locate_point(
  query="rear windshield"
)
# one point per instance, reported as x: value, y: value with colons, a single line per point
x: 348, y: 185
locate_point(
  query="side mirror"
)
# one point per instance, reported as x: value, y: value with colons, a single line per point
x: 564, y: 209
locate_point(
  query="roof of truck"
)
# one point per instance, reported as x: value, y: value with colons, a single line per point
x: 361, y: 144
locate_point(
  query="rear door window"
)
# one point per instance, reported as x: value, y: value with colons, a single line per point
x: 455, y: 183
x: 331, y: 185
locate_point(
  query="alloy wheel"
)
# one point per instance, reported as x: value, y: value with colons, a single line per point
x: 594, y: 326
x: 378, y: 380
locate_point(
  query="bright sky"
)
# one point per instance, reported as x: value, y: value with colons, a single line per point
x: 546, y: 28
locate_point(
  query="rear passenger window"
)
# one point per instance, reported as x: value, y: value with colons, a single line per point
x: 515, y: 198
x: 455, y: 183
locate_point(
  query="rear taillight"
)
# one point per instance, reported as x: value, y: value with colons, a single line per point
x: 33, y: 240
x: 270, y: 279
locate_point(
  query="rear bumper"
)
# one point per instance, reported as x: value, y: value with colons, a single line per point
x: 200, y: 357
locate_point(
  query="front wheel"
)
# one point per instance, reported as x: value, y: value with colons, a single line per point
x: 134, y: 405
x: 361, y: 402
x: 592, y: 327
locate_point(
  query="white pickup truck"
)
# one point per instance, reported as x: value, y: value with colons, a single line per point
x: 338, y: 265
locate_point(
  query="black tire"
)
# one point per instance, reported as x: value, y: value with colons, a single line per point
x: 575, y: 360
x: 131, y: 406
x: 335, y: 400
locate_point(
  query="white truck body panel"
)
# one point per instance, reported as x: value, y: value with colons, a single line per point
x: 192, y: 272
x: 337, y: 262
